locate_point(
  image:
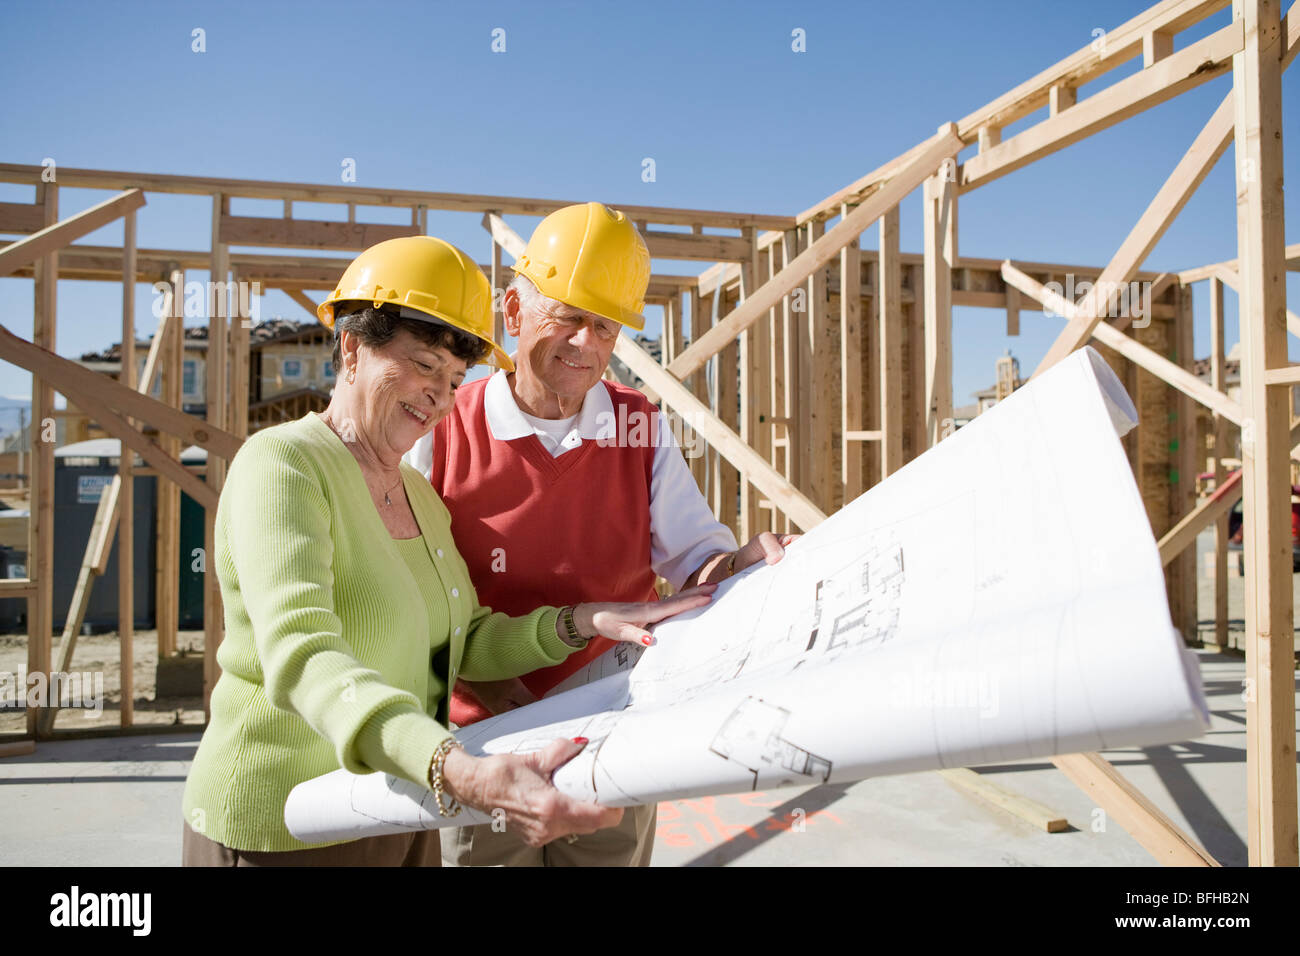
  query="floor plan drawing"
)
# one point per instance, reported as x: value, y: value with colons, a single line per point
x: 927, y: 624
x: 751, y: 737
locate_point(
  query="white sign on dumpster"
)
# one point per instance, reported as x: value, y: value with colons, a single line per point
x: 90, y: 488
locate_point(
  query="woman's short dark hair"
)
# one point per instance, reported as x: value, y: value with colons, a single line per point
x: 376, y: 327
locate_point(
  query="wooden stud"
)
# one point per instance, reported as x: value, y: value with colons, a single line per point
x: 889, y: 305
x: 852, y: 480
x: 1220, y: 432
x: 126, y: 494
x: 171, y: 335
x: 940, y: 242
x: 218, y: 346
x: 1271, y: 838
x: 819, y: 368
x: 40, y: 548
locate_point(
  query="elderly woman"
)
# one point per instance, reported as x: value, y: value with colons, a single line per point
x: 348, y: 610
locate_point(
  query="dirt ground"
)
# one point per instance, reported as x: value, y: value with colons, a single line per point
x: 101, y: 653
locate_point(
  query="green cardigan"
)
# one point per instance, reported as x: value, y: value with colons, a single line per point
x: 329, y: 654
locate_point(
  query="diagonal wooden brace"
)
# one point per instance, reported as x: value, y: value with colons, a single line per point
x: 99, y: 392
x: 945, y: 145
x: 52, y: 238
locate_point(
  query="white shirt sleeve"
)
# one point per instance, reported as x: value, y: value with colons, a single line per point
x: 420, y: 457
x: 683, y: 531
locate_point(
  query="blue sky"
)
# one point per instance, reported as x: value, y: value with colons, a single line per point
x: 734, y: 119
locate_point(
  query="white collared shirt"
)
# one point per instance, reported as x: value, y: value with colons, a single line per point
x: 683, y: 532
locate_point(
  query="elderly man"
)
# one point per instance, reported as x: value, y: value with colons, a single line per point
x: 554, y: 500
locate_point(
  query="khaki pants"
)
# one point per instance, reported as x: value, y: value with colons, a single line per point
x: 402, y: 849
x: 628, y: 844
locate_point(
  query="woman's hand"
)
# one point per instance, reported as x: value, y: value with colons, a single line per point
x: 628, y: 622
x: 521, y: 786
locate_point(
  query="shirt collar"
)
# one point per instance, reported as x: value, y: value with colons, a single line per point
x: 506, y: 421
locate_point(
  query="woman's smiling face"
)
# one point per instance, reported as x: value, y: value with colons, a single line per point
x: 406, y: 386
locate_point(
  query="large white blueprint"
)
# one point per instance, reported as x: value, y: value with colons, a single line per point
x: 999, y: 598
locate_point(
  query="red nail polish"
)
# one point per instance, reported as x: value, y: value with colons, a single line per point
x: 646, y: 640
x: 580, y: 740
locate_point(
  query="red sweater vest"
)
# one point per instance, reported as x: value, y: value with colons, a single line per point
x: 538, y: 530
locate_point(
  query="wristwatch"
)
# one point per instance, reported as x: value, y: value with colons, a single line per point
x: 569, y: 629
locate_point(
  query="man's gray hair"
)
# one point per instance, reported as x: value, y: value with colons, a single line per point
x: 529, y: 296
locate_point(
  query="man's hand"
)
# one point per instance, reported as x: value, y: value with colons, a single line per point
x: 499, y: 696
x: 764, y: 546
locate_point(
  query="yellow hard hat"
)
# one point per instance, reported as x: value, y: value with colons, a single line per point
x: 428, y: 275
x: 592, y: 258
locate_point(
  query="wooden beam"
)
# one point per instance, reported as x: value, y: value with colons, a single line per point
x: 782, y: 493
x: 944, y: 146
x: 503, y: 235
x: 307, y: 233
x: 302, y: 299
x: 131, y: 437
x: 1031, y: 811
x: 97, y: 546
x: 852, y: 479
x: 1013, y: 310
x: 103, y: 392
x: 374, y: 196
x: 1271, y: 838
x: 889, y: 306
x: 1188, y: 68
x: 24, y: 217
x: 54, y: 237
x: 710, y: 248
x: 1188, y: 276
x: 1134, y: 351
x: 939, y: 215
x: 167, y: 563
x: 124, y: 515
x: 216, y: 407
x: 1228, y: 276
x: 1220, y: 433
x: 1060, y: 98
x: 1128, y: 807
x: 1210, y: 510
x: 18, y: 748
x: 40, y: 527
x: 1190, y: 172
x: 1156, y: 45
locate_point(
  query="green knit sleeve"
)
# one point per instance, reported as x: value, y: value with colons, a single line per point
x: 498, y: 646
x: 275, y: 521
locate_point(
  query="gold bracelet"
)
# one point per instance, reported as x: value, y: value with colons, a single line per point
x: 435, y: 778
x: 571, y: 635
x: 731, y: 563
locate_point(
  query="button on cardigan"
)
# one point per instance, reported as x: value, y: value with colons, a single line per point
x: 330, y: 651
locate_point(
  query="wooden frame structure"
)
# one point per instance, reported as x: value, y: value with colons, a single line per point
x: 808, y: 367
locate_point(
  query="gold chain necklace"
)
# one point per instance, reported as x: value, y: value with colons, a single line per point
x: 387, y: 500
